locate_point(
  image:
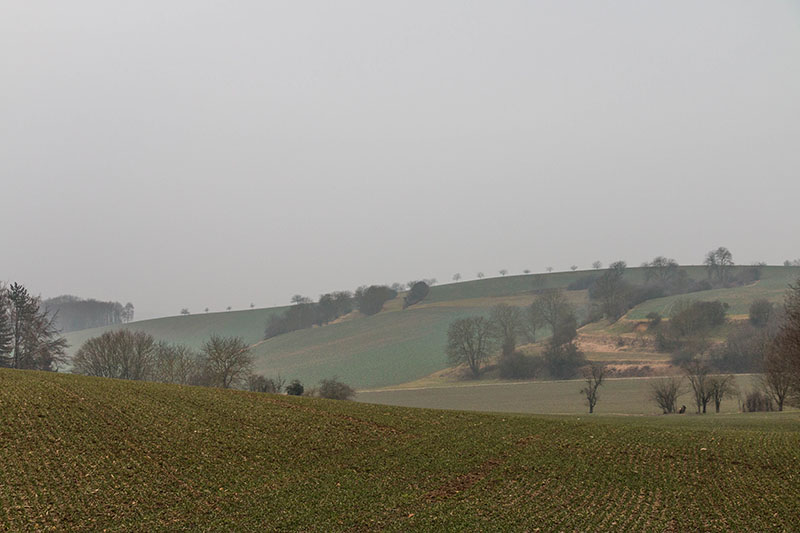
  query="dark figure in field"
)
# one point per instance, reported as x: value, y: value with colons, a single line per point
x: 682, y: 410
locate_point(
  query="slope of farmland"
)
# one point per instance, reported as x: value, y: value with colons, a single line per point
x: 396, y: 345
x: 87, y: 454
x: 618, y: 396
x: 191, y: 330
x: 772, y: 286
x: 385, y: 349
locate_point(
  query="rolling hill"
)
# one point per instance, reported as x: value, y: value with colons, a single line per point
x: 91, y: 454
x: 398, y: 346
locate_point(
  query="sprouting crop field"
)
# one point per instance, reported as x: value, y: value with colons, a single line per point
x: 618, y: 396
x: 86, y: 454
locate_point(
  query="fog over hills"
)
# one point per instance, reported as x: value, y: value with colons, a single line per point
x: 200, y: 155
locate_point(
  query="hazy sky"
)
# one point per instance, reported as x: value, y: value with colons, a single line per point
x: 197, y: 153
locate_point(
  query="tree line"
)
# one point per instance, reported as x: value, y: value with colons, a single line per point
x: 369, y: 300
x: 73, y: 313
x: 223, y: 362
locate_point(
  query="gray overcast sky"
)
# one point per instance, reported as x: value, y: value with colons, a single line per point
x: 196, y: 153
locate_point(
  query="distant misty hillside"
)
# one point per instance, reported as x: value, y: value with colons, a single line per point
x: 74, y: 313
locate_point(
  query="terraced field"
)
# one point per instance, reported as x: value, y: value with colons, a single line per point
x: 86, y: 454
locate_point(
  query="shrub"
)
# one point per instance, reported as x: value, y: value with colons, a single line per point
x: 333, y: 389
x: 582, y: 283
x: 757, y: 401
x: 370, y: 300
x: 665, y: 343
x: 743, y: 350
x: 416, y: 294
x: 519, y: 366
x: 295, y: 388
x: 654, y: 318
x: 259, y: 383
x: 681, y: 357
x: 760, y: 312
x: 564, y: 361
x: 688, y: 318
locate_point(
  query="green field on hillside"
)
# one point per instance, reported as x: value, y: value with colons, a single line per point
x: 773, y: 285
x: 623, y: 396
x: 191, y: 330
x: 398, y: 346
x: 88, y: 454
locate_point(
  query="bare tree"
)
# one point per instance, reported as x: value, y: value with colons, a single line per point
x: 128, y: 312
x: 778, y: 378
x: 574, y: 268
x: 503, y: 272
x: 549, y: 269
x: 533, y: 321
x: 121, y: 354
x: 174, y: 363
x: 508, y: 326
x: 665, y: 393
x: 721, y: 387
x: 479, y: 275
x: 597, y: 265
x: 784, y: 353
x: 550, y: 307
x: 469, y: 341
x: 457, y: 277
x: 661, y: 269
x: 612, y: 291
x: 718, y: 264
x: 185, y: 311
x: 228, y: 360
x: 699, y: 375
x: 593, y: 376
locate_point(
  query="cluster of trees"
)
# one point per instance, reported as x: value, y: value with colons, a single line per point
x: 73, y: 313
x: 689, y: 322
x: 612, y: 295
x: 769, y: 344
x: 124, y: 354
x: 746, y: 345
x: 416, y: 293
x: 224, y: 362
x: 472, y: 340
x: 430, y: 282
x: 792, y: 263
x: 29, y: 336
x: 305, y: 313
